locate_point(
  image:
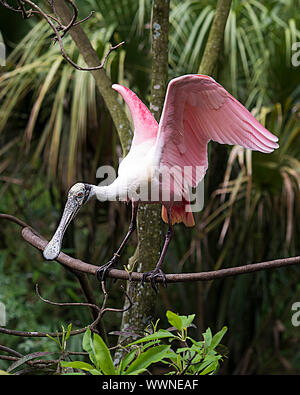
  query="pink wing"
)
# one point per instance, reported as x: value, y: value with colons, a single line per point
x: 145, y: 125
x: 197, y: 109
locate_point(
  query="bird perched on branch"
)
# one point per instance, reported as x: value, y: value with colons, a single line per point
x: 167, y: 159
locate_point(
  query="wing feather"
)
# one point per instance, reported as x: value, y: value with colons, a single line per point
x: 196, y: 110
x: 145, y: 125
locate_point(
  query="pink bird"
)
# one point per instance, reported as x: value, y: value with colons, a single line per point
x: 168, y: 158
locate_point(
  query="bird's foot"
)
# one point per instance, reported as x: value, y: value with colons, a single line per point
x: 102, y: 271
x: 153, y: 275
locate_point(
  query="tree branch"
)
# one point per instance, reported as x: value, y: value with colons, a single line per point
x: 39, y: 242
x: 215, y: 38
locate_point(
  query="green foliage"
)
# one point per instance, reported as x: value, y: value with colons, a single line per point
x: 101, y: 359
x: 258, y: 37
x: 197, y: 357
x: 61, y: 341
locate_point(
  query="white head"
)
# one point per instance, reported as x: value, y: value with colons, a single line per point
x: 78, y: 195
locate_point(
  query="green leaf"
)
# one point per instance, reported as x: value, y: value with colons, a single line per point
x: 172, y: 356
x: 86, y: 341
x: 95, y: 372
x: 77, y: 365
x: 218, y: 337
x: 27, y: 358
x: 207, y: 335
x: 210, y: 359
x: 126, y: 361
x: 187, y: 320
x: 56, y: 340
x: 87, y: 345
x: 69, y: 328
x: 198, y: 344
x: 161, y: 334
x: 3, y: 373
x: 102, y: 356
x: 175, y: 320
x: 222, y: 350
x: 210, y: 368
x: 147, y: 358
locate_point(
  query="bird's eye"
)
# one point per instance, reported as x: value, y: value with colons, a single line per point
x: 80, y: 195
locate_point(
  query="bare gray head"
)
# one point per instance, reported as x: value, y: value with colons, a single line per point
x: 78, y: 195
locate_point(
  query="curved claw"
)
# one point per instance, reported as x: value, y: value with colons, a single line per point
x: 102, y: 271
x: 153, y: 274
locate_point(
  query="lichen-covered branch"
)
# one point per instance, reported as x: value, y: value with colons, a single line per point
x: 215, y: 38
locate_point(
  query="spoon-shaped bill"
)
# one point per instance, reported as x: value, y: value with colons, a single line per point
x: 53, y: 248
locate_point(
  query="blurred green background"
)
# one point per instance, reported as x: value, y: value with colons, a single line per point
x: 55, y: 130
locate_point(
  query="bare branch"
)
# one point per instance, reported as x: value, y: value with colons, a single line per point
x: 84, y: 19
x: 59, y: 29
x: 33, y: 238
x: 94, y: 306
x: 10, y: 351
x: 73, y: 19
x: 77, y: 264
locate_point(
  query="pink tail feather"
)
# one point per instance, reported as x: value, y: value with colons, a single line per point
x: 179, y: 214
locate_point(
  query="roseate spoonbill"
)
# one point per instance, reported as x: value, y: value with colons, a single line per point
x: 197, y: 109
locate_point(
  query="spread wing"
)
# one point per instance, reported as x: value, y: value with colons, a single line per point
x: 196, y: 110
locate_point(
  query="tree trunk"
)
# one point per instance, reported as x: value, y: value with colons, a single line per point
x: 149, y: 224
x: 215, y: 39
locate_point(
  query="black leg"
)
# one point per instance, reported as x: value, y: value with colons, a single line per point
x: 157, y: 272
x: 104, y: 269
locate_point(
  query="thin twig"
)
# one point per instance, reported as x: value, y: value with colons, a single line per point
x: 93, y: 306
x: 25, y: 14
x: 29, y: 13
x: 101, y: 311
x: 84, y: 19
x: 73, y: 19
x: 54, y: 334
x: 11, y: 351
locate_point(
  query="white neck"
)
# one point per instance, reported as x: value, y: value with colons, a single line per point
x: 103, y: 193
